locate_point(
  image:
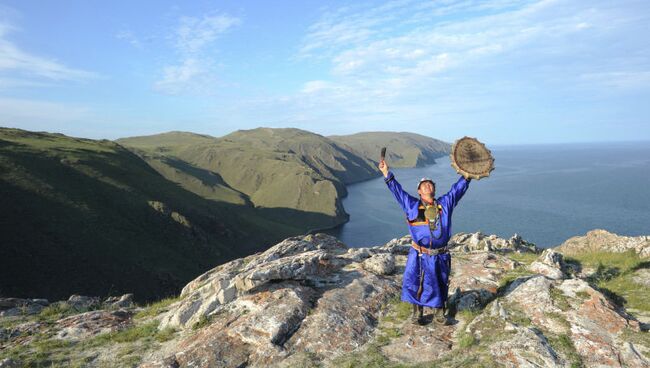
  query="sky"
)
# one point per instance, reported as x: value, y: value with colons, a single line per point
x: 504, y: 71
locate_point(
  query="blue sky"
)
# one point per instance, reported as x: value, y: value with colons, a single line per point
x: 504, y: 71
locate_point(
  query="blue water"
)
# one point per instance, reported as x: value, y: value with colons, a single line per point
x: 545, y: 193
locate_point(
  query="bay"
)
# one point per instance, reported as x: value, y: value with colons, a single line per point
x: 545, y: 193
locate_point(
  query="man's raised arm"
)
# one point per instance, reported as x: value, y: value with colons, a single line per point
x: 457, y: 191
x: 405, y: 200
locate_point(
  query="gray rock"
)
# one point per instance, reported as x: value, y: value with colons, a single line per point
x: 92, y: 323
x: 398, y: 246
x: 604, y: 241
x: 9, y: 363
x: 527, y: 348
x: 15, y: 306
x: 4, y: 334
x: 380, y: 264
x: 11, y: 312
x: 357, y: 254
x: 642, y: 277
x: 480, y: 242
x: 43, y: 302
x: 125, y: 301
x: 287, y: 260
x: 470, y: 299
x: 550, y: 264
x: 83, y: 303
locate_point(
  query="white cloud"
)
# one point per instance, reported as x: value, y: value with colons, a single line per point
x: 191, y: 75
x: 15, y: 60
x: 413, y: 57
x: 129, y: 37
x: 193, y: 33
x: 194, y: 71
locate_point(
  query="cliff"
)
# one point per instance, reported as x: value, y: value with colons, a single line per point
x: 310, y: 301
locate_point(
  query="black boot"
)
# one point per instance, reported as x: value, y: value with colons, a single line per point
x: 418, y: 314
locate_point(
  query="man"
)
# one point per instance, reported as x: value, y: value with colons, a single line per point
x: 428, y: 265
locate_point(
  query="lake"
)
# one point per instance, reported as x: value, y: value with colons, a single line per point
x: 545, y: 193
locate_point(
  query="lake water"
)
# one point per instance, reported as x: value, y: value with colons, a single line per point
x: 545, y: 193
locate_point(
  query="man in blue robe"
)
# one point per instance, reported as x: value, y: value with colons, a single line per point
x: 426, y: 276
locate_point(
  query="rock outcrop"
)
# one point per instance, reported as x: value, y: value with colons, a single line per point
x: 604, y: 241
x: 312, y: 301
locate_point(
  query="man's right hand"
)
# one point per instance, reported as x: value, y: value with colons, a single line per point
x: 383, y: 167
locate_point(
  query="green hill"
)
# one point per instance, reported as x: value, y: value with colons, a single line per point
x: 281, y: 169
x: 403, y: 149
x: 147, y: 214
x: 90, y: 217
x: 276, y: 169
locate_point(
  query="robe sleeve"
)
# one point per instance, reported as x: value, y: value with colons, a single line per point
x: 457, y: 191
x: 405, y: 200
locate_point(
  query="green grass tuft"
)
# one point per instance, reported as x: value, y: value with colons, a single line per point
x: 202, y: 322
x: 523, y: 257
x: 559, y: 299
x: 564, y: 345
x: 466, y: 340
x: 156, y: 308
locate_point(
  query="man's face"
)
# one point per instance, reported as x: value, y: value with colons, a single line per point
x: 426, y: 189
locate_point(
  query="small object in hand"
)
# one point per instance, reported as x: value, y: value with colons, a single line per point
x: 383, y: 153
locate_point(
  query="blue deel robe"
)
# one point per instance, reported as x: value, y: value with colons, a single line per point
x: 436, y: 267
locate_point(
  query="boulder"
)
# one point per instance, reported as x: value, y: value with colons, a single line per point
x: 380, y: 264
x: 10, y: 307
x: 124, y: 301
x: 92, y: 323
x: 549, y: 264
x: 9, y: 363
x: 83, y: 303
x: 604, y: 241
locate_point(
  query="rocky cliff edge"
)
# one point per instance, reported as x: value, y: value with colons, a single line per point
x: 311, y: 301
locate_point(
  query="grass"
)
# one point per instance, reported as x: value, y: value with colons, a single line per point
x: 369, y: 357
x: 60, y: 192
x: 509, y: 277
x: 45, y: 350
x: 156, y: 308
x: 559, y: 299
x: 560, y: 318
x: 614, y: 273
x: 565, y: 346
x: 466, y: 340
x: 523, y: 257
x: 129, y: 335
x: 165, y: 334
x: 638, y: 338
x: 397, y: 311
x: 56, y: 311
x: 202, y: 322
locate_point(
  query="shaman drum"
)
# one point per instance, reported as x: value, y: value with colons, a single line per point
x: 471, y: 158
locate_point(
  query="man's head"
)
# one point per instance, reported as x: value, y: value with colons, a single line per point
x: 426, y: 187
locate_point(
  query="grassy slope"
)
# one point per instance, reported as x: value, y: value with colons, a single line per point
x: 614, y: 274
x: 279, y: 170
x: 76, y: 217
x: 403, y: 149
x: 283, y: 170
